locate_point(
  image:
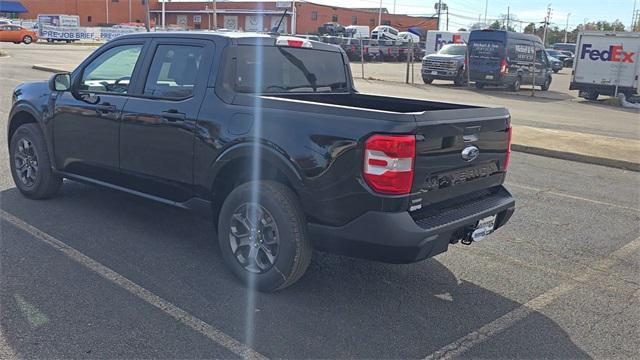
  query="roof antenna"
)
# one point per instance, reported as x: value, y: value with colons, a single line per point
x: 274, y: 30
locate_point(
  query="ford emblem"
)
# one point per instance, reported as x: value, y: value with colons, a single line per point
x: 470, y: 153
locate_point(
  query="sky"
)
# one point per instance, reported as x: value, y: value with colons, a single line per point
x: 462, y: 13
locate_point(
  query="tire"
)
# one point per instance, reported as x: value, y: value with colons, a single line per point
x: 591, y: 95
x: 39, y: 182
x: 479, y: 85
x: 27, y: 39
x: 461, y: 79
x: 292, y: 251
x: 515, y: 87
x: 427, y: 80
x: 555, y: 71
x: 546, y: 85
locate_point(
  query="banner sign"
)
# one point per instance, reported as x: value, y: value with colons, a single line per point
x: 84, y: 33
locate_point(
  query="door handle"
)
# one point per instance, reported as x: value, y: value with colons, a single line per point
x: 105, y: 108
x: 174, y: 115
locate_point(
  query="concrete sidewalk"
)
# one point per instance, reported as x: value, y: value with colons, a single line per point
x: 568, y: 145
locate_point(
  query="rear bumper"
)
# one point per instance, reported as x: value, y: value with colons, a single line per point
x: 398, y: 238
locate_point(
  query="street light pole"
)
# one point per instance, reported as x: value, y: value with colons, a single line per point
x: 566, y: 28
x: 215, y: 15
x: 106, y: 4
x: 380, y: 14
x: 163, y: 16
x: 486, y: 6
x: 546, y: 25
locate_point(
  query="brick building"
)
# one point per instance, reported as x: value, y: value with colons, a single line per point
x: 248, y: 16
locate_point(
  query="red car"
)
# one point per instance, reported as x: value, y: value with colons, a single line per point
x: 17, y: 34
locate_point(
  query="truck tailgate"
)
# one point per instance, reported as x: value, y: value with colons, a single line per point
x: 442, y: 172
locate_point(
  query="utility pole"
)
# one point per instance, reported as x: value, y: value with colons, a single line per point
x: 508, y: 15
x: 380, y: 14
x: 106, y: 4
x: 129, y: 11
x: 294, y: 18
x: 546, y: 25
x: 439, y: 8
x: 447, y: 8
x: 486, y: 6
x: 215, y: 15
x: 634, y: 16
x: 566, y: 28
x: 147, y: 16
x: 163, y: 16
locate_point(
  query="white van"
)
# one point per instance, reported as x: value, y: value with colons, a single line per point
x: 384, y: 32
x: 357, y: 31
x: 406, y: 36
x: 606, y: 62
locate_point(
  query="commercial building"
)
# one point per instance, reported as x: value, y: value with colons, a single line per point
x: 233, y: 15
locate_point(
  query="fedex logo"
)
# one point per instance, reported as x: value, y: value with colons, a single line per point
x: 455, y: 39
x: 615, y: 53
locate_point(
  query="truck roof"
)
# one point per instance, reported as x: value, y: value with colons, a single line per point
x: 236, y: 37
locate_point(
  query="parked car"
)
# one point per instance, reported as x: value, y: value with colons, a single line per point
x: 560, y: 55
x: 282, y: 151
x: 504, y: 58
x: 556, y: 65
x: 446, y: 64
x: 409, y: 36
x: 384, y: 32
x: 568, y: 61
x: 565, y: 47
x: 331, y: 28
x: 17, y: 34
x: 357, y: 31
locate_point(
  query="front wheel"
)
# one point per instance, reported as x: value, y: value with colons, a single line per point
x: 479, y: 85
x: 27, y: 39
x: 427, y: 80
x: 30, y: 164
x: 262, y: 235
x: 461, y: 79
x: 546, y: 85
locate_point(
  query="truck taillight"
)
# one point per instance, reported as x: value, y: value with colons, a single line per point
x: 504, y: 68
x: 389, y: 163
x: 507, y: 156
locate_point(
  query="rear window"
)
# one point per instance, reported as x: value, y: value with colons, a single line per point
x: 271, y: 69
x: 486, y: 49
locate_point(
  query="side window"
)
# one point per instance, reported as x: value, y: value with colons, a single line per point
x: 174, y: 71
x: 541, y: 58
x: 112, y: 70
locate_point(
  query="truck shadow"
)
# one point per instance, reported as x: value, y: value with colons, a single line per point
x: 342, y: 308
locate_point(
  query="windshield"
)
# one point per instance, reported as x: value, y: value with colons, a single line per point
x: 453, y: 50
x: 270, y: 69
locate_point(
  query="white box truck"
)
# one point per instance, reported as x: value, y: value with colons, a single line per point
x: 606, y: 63
x: 436, y: 39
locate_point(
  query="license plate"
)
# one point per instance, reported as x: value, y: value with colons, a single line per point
x: 488, y: 77
x: 434, y: 73
x: 487, y: 224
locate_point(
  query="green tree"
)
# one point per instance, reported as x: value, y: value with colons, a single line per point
x: 530, y: 29
x: 495, y: 25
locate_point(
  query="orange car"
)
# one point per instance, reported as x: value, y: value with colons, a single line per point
x: 17, y: 34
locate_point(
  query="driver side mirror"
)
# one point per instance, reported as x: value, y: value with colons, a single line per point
x: 60, y: 82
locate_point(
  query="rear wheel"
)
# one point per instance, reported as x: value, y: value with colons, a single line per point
x: 30, y: 164
x: 27, y: 39
x: 591, y: 95
x: 479, y: 85
x: 427, y: 80
x: 516, y: 84
x: 263, y: 237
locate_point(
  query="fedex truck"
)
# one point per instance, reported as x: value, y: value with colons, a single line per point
x: 436, y: 39
x: 606, y: 63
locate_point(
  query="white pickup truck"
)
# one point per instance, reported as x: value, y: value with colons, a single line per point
x: 606, y: 63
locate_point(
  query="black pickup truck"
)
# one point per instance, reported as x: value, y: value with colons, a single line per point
x: 269, y: 135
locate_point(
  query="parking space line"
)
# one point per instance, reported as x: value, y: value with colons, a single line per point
x: 168, y: 308
x: 569, y: 196
x: 507, y: 320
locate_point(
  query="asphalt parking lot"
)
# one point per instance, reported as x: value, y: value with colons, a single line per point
x: 93, y: 273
